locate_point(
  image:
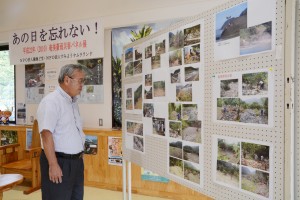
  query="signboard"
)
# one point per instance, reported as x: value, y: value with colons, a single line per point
x: 67, y: 41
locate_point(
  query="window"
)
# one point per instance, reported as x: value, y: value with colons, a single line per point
x: 7, y: 84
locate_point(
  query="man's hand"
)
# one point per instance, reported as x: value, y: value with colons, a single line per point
x: 55, y: 173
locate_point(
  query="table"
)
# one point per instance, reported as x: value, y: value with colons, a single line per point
x: 8, y: 181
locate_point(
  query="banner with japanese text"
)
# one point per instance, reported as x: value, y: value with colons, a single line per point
x: 67, y: 41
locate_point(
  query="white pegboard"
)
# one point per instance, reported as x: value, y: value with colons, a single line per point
x: 156, y: 155
x: 297, y: 105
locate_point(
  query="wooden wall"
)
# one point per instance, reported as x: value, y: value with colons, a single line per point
x: 101, y: 175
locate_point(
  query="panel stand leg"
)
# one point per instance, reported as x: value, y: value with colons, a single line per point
x: 124, y: 179
x: 129, y: 180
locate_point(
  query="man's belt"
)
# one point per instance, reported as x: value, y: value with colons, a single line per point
x: 69, y: 156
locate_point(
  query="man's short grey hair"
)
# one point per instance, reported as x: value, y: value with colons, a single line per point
x: 68, y: 70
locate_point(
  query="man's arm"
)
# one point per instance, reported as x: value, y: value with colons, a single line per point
x: 55, y: 173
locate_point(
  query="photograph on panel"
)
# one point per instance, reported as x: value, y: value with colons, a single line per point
x: 175, y: 58
x: 138, y: 99
x: 129, y: 105
x: 175, y: 149
x: 158, y: 126
x: 134, y: 100
x: 129, y: 69
x: 129, y: 93
x: 255, y: 181
x: 160, y: 48
x: 130, y: 126
x: 191, y: 152
x: 135, y: 128
x: 148, y: 79
x: 191, y: 74
x: 228, y: 173
x: 244, y: 97
x: 191, y: 130
x: 176, y: 40
x: 91, y: 144
x: 176, y: 167
x: 148, y: 52
x: 256, y: 156
x: 137, y: 67
x: 148, y: 110
x: 134, y: 135
x: 138, y: 143
x: 138, y: 53
x: 148, y: 94
x: 227, y: 159
x: 155, y: 62
x: 229, y: 88
x: 184, y: 92
x: 191, y: 172
x: 175, y: 75
x: 159, y: 88
x: 255, y: 83
x: 245, y: 29
x: 189, y: 111
x: 128, y: 55
x: 174, y: 111
x: 192, y: 54
x: 192, y: 35
x: 256, y: 38
x: 247, y: 110
x: 241, y: 164
x: 229, y: 22
x: 254, y: 110
x: 175, y: 129
x: 229, y: 150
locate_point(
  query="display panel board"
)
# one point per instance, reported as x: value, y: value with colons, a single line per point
x: 297, y: 104
x: 175, y: 93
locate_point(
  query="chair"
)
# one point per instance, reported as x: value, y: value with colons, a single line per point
x: 29, y: 167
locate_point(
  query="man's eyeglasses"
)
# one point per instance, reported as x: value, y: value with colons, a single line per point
x: 80, y: 81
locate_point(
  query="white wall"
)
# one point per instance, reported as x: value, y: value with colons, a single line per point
x: 25, y: 15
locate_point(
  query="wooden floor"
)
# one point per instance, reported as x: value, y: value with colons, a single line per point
x: 90, y: 193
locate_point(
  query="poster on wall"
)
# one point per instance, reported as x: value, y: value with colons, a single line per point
x: 244, y: 29
x: 51, y: 74
x: 28, y: 138
x: 34, y: 83
x: 9, y: 137
x: 244, y: 97
x: 93, y: 89
x: 243, y: 165
x: 115, y: 154
x: 91, y: 144
x: 21, y: 113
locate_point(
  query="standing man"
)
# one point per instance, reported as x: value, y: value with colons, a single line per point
x: 62, y: 168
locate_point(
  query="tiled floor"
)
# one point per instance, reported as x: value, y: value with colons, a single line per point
x: 91, y: 193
